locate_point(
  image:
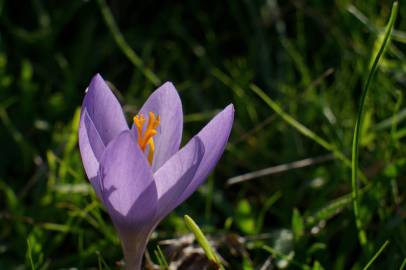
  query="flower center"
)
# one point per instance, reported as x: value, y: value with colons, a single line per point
x: 145, y: 138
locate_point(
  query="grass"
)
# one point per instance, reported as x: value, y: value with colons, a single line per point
x: 358, y: 124
x: 295, y: 72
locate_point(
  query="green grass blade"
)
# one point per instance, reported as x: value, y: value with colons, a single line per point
x: 123, y: 45
x: 356, y: 139
x: 161, y: 258
x: 101, y: 262
x: 30, y: 255
x: 202, y: 240
x: 403, y: 265
x: 371, y: 261
x: 301, y: 128
x: 277, y: 254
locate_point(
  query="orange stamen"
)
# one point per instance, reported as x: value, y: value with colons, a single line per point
x: 146, y: 138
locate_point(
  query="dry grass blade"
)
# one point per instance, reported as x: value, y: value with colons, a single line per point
x: 280, y: 168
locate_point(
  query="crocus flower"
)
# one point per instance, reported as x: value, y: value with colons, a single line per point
x: 139, y: 173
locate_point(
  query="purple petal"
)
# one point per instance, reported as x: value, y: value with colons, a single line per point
x: 127, y: 185
x: 214, y: 137
x: 174, y: 176
x: 91, y: 148
x: 170, y: 181
x: 166, y: 103
x: 104, y: 110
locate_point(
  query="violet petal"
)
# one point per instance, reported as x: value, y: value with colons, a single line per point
x: 175, y: 175
x: 166, y: 103
x: 91, y: 148
x: 214, y: 137
x: 104, y: 110
x: 128, y: 188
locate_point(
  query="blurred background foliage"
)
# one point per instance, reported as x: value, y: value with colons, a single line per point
x: 309, y: 56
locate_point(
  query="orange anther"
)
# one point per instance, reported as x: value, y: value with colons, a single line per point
x: 145, y: 138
